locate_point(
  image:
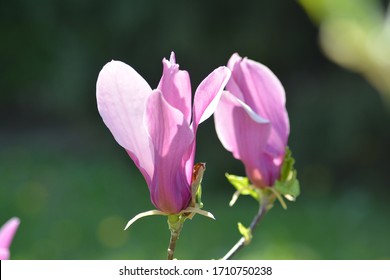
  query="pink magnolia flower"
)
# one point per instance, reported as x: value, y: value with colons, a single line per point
x: 7, y: 233
x: 251, y: 120
x: 158, y: 127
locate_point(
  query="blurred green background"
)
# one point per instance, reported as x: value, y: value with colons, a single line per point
x: 74, y: 188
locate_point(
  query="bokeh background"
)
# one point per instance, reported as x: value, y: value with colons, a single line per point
x: 74, y: 188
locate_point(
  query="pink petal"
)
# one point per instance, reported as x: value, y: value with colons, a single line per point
x: 261, y: 90
x: 176, y: 87
x: 206, y: 99
x: 121, y: 97
x: 7, y: 233
x: 234, y: 59
x: 208, y: 93
x: 4, y: 254
x: 245, y: 134
x: 172, y: 138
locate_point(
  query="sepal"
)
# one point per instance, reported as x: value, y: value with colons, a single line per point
x: 288, y: 184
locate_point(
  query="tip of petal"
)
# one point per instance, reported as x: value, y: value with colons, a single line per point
x: 7, y: 232
x: 4, y: 254
x: 171, y: 63
x: 172, y: 59
x: 233, y: 60
x: 14, y: 220
x: 11, y: 224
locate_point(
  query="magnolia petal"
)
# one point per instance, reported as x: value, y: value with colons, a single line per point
x: 235, y: 58
x: 223, y: 119
x: 252, y: 114
x: 121, y: 97
x: 4, y: 254
x: 145, y: 214
x: 206, y: 100
x: 172, y: 138
x: 225, y: 116
x: 235, y: 78
x: 262, y: 91
x: 7, y: 233
x: 244, y: 133
x: 208, y: 93
x: 176, y: 87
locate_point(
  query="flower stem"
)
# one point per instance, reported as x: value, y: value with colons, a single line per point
x: 263, y: 207
x: 172, y: 244
x: 175, y: 223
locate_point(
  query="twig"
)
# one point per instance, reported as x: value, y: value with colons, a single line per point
x: 172, y: 244
x: 241, y: 242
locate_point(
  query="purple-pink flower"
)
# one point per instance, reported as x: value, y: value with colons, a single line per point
x: 251, y: 120
x: 7, y: 232
x: 158, y: 127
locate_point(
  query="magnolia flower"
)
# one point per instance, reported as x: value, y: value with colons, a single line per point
x: 251, y: 120
x: 7, y: 233
x: 158, y: 127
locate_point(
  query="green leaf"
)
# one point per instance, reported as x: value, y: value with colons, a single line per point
x: 240, y: 183
x: 288, y: 184
x: 242, y: 186
x: 245, y: 232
